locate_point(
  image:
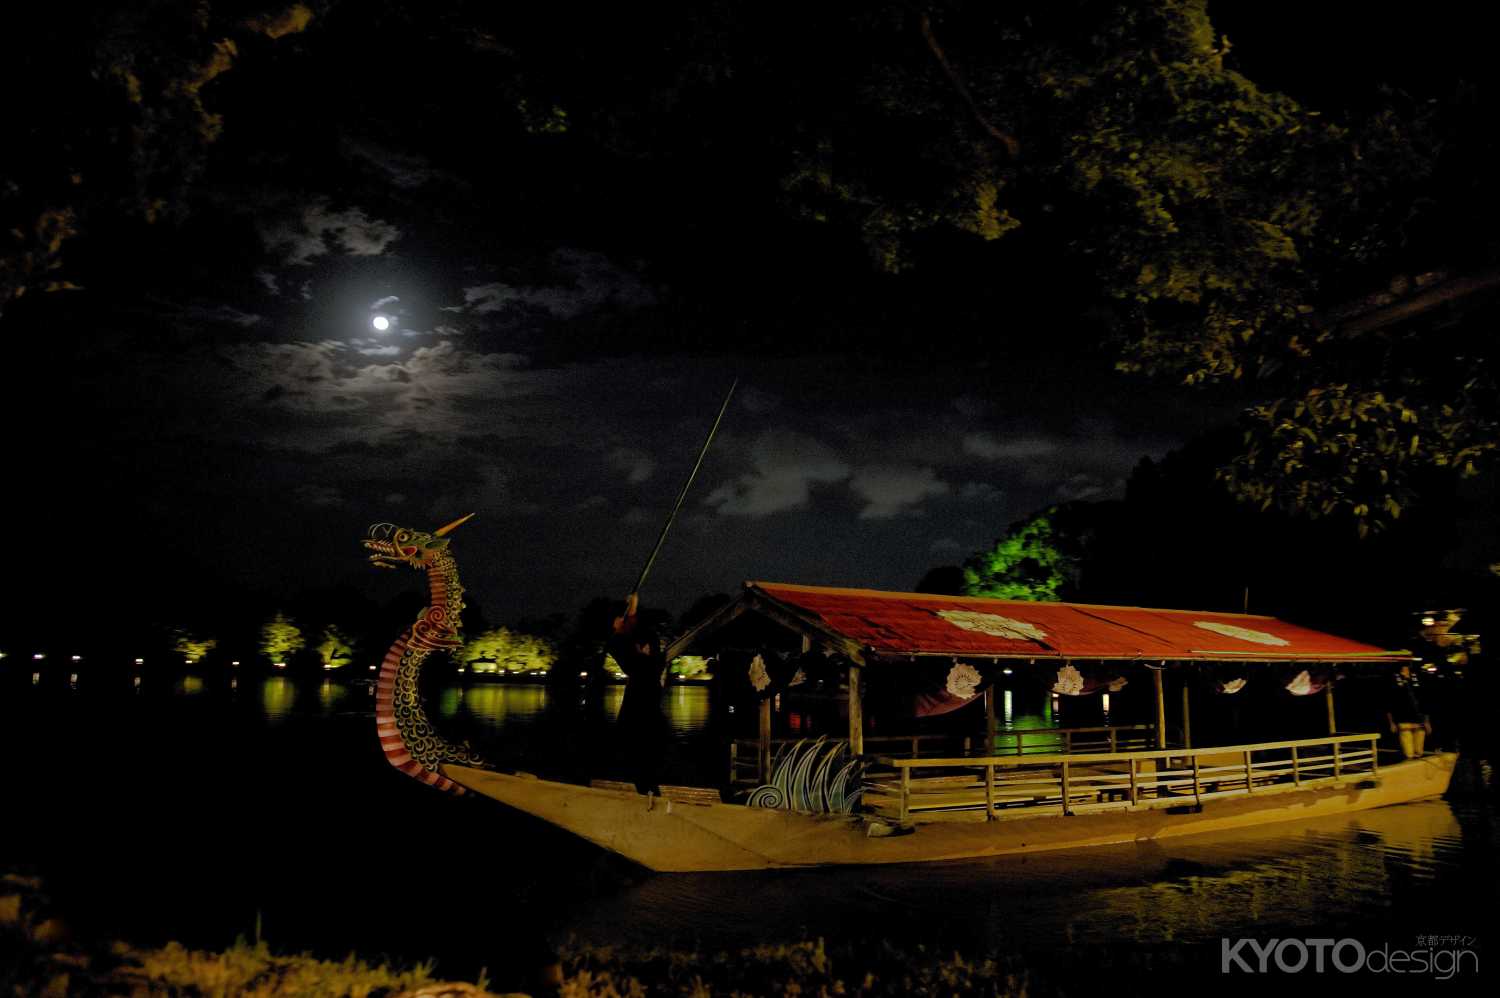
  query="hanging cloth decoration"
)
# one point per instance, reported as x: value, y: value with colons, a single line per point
x: 1072, y: 683
x: 1230, y: 686
x: 760, y: 679
x: 770, y: 673
x: 1306, y: 683
x: 960, y: 686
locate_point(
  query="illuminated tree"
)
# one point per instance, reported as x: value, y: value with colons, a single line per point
x: 280, y: 639
x: 688, y: 666
x: 1024, y: 564
x: 335, y: 650
x: 191, y: 647
x: 503, y: 650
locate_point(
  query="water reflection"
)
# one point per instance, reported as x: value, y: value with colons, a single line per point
x: 331, y: 694
x: 687, y: 709
x: 1377, y: 867
x: 277, y: 697
x: 489, y: 708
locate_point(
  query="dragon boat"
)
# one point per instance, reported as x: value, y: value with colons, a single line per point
x: 843, y: 788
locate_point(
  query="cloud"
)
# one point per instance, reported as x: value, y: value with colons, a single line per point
x: 268, y: 281
x: 892, y: 490
x: 380, y: 351
x: 403, y: 170
x: 201, y: 315
x: 945, y: 545
x: 985, y: 445
x: 586, y: 281
x: 1084, y: 486
x: 383, y: 302
x: 786, y: 467
x: 319, y: 229
x: 319, y: 495
x: 980, y: 492
x: 637, y: 465
x: 1090, y: 462
x: 757, y: 401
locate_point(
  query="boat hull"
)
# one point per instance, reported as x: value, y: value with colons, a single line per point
x: 690, y: 837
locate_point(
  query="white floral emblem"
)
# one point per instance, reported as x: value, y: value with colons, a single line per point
x: 759, y: 677
x: 993, y: 623
x: 963, y: 680
x: 1069, y: 681
x: 1243, y: 633
x: 1234, y: 685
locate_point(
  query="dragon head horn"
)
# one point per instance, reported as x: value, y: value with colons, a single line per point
x: 445, y: 531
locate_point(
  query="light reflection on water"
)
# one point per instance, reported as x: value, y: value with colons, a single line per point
x: 1374, y: 868
x: 1421, y: 867
x: 278, y: 695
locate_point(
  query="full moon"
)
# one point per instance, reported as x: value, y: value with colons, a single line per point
x: 381, y: 323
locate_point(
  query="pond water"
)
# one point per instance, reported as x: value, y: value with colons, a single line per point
x: 192, y: 809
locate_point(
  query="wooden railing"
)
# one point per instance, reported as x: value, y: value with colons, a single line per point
x: 1105, y: 738
x: 744, y: 766
x: 1070, y: 784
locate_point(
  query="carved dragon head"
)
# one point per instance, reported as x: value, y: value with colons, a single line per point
x: 390, y: 545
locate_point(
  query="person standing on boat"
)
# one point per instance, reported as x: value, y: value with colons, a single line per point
x: 638, y: 651
x: 1405, y: 716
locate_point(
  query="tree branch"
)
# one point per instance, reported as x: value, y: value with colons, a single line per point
x: 1381, y: 311
x: 1006, y: 140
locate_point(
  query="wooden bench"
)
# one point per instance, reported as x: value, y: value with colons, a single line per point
x: 683, y: 795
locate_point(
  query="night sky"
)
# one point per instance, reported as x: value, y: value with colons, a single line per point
x: 214, y: 413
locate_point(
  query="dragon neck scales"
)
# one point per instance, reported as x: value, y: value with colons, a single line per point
x: 407, y: 737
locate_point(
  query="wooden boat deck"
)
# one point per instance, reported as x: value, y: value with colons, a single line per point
x: 679, y: 836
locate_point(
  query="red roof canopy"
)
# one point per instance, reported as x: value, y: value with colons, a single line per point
x: 902, y: 624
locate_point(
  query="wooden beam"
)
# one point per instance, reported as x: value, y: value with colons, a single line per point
x: 719, y: 618
x: 795, y: 622
x: 763, y: 764
x: 1161, y: 709
x: 989, y: 720
x: 856, y: 713
x: 1187, y: 717
x: 1333, y: 724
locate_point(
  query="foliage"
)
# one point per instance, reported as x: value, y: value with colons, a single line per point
x: 335, y: 650
x: 687, y: 666
x: 116, y: 126
x: 810, y: 967
x: 1025, y: 563
x: 191, y: 647
x: 253, y: 970
x: 504, y: 650
x: 280, y: 639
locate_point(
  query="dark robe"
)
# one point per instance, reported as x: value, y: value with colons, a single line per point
x: 642, y: 725
x: 1403, y: 702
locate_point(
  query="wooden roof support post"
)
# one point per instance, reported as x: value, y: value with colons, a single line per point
x: 989, y: 720
x: 856, y: 713
x: 1187, y: 716
x: 763, y: 764
x: 1333, y: 724
x: 1161, y: 708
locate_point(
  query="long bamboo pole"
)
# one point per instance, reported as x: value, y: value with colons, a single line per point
x: 702, y: 453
